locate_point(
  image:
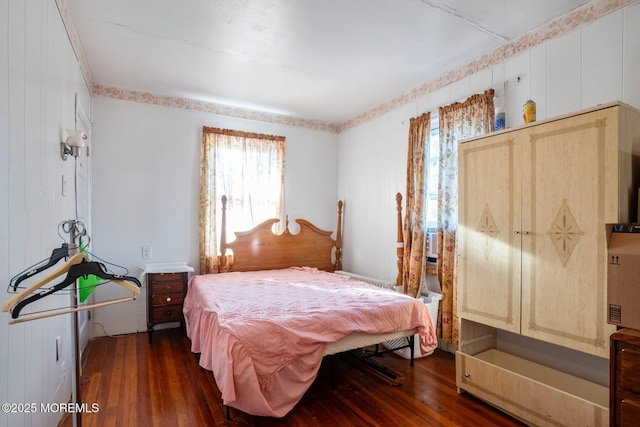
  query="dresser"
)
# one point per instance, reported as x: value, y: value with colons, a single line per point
x: 625, y: 378
x: 166, y: 290
x: 533, y: 204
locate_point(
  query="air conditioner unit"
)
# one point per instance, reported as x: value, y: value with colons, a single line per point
x: 432, y: 244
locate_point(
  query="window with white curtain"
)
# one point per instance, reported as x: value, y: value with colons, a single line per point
x: 248, y: 169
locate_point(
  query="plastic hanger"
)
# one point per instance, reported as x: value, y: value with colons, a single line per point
x: 56, y: 255
x: 75, y: 259
x: 77, y: 266
x: 82, y: 269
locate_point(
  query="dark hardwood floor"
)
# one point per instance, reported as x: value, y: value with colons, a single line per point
x: 161, y: 384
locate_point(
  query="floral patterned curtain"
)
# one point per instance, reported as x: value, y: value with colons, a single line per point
x: 457, y: 122
x: 414, y: 230
x: 248, y: 168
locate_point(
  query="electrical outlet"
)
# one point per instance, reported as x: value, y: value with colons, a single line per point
x: 146, y: 252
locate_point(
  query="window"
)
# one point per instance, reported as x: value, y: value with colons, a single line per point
x: 249, y: 172
x: 432, y: 171
x: 431, y: 199
x: 248, y: 168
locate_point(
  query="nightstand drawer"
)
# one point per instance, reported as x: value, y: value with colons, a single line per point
x: 166, y: 282
x: 168, y: 287
x: 628, y: 409
x: 629, y: 368
x: 169, y: 313
x: 162, y: 299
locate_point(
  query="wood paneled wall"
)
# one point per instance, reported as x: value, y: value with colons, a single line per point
x: 39, y: 79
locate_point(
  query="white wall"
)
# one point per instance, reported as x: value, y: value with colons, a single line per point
x: 39, y: 78
x: 596, y: 63
x: 146, y: 188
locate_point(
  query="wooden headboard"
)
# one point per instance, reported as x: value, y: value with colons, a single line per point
x: 400, y: 244
x: 261, y: 249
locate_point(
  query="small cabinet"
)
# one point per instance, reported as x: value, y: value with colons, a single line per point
x: 625, y: 378
x: 165, y: 297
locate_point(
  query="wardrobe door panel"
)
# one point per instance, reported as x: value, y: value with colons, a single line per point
x: 489, y: 224
x: 568, y: 183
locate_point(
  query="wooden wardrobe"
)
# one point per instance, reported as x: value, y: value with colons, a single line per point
x: 533, y: 204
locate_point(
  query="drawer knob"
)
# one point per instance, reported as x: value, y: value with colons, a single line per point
x: 168, y: 299
x: 167, y: 312
x: 467, y: 374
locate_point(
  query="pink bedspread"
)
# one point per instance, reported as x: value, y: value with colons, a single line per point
x: 263, y: 333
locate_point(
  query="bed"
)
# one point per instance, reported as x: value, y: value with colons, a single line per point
x: 263, y: 324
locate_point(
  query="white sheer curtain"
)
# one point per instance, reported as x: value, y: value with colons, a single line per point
x: 457, y: 122
x: 248, y: 168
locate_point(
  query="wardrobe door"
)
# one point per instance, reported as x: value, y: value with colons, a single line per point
x: 489, y: 227
x: 569, y: 193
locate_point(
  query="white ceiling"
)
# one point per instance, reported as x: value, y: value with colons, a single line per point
x: 325, y: 60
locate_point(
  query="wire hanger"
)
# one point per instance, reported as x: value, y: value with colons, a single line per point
x: 77, y: 266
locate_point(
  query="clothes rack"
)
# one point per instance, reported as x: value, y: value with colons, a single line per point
x: 76, y: 266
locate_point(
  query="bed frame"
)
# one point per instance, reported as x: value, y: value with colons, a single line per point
x: 261, y: 249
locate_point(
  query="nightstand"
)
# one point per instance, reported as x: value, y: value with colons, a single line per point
x: 166, y: 290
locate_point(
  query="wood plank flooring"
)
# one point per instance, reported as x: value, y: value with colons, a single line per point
x: 161, y: 384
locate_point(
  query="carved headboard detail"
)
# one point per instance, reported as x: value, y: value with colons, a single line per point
x: 261, y: 249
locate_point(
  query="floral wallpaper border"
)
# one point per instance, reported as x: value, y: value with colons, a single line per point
x: 210, y: 107
x: 563, y: 24
x: 75, y: 42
